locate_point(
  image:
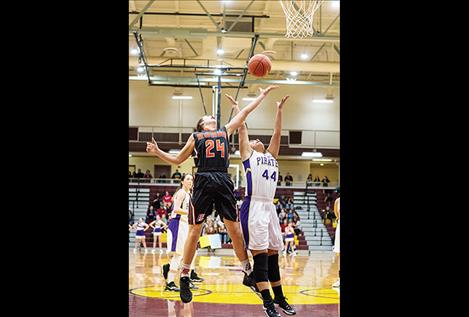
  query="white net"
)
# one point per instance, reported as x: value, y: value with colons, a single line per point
x: 299, y: 17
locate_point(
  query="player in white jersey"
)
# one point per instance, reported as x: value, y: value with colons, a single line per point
x: 258, y: 215
x: 178, y: 229
x: 337, y: 237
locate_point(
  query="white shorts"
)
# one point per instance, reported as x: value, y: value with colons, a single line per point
x: 260, y: 224
x: 177, y: 236
x: 156, y: 233
x: 337, y: 238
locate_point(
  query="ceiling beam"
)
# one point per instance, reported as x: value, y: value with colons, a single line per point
x: 202, y: 33
x: 210, y: 16
x: 149, y: 3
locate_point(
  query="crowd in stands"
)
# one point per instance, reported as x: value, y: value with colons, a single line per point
x: 161, y: 205
x: 146, y: 178
x: 317, y: 181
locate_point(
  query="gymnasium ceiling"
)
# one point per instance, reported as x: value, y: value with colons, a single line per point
x: 187, y: 32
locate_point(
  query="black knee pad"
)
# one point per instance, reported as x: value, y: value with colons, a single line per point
x: 273, y: 269
x: 261, y: 268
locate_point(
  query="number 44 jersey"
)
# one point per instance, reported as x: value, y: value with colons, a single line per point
x: 261, y: 175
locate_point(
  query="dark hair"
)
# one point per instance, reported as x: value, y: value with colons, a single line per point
x: 180, y: 183
x: 200, y: 125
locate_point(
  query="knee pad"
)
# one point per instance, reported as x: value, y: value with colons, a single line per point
x: 261, y: 268
x: 273, y: 269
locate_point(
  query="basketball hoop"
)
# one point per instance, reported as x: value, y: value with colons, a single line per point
x: 299, y: 17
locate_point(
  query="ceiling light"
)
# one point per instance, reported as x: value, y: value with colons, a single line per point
x: 335, y: 4
x: 323, y: 101
x: 304, y: 56
x: 322, y: 164
x: 322, y: 160
x: 134, y: 51
x: 220, y: 51
x: 312, y: 154
x: 250, y: 97
x: 293, y: 73
x: 175, y: 97
x: 140, y: 69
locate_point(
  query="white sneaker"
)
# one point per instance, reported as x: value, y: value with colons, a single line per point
x: 337, y: 283
x: 146, y: 251
x: 161, y: 251
x: 152, y: 251
x: 284, y: 253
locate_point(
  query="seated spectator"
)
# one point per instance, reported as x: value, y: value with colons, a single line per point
x: 161, y: 212
x: 317, y: 181
x: 325, y: 181
x: 176, y: 175
x: 151, y: 215
x: 282, y: 201
x: 139, y: 174
x: 131, y: 217
x: 280, y: 179
x: 288, y: 179
x: 328, y: 199
x: 309, y: 180
x: 282, y: 227
x: 296, y: 227
x: 167, y: 200
x: 147, y: 174
x: 156, y: 203
x: 290, y: 215
x: 282, y: 215
x: 289, y: 203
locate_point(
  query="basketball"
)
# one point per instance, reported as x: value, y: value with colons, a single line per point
x: 259, y: 65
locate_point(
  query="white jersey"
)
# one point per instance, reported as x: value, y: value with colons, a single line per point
x: 184, y: 206
x: 261, y: 175
x: 258, y: 216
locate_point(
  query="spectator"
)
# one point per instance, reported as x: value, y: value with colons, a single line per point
x: 167, y: 200
x: 282, y: 215
x: 296, y: 227
x: 130, y: 174
x: 317, y: 181
x: 161, y: 212
x: 325, y: 181
x: 309, y: 180
x: 289, y: 203
x: 280, y: 179
x: 131, y: 217
x: 288, y: 179
x: 290, y: 215
x: 156, y: 203
x: 222, y: 232
x: 139, y: 174
x: 176, y: 175
x: 151, y: 215
x: 328, y: 199
x: 283, y: 225
x: 282, y: 201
